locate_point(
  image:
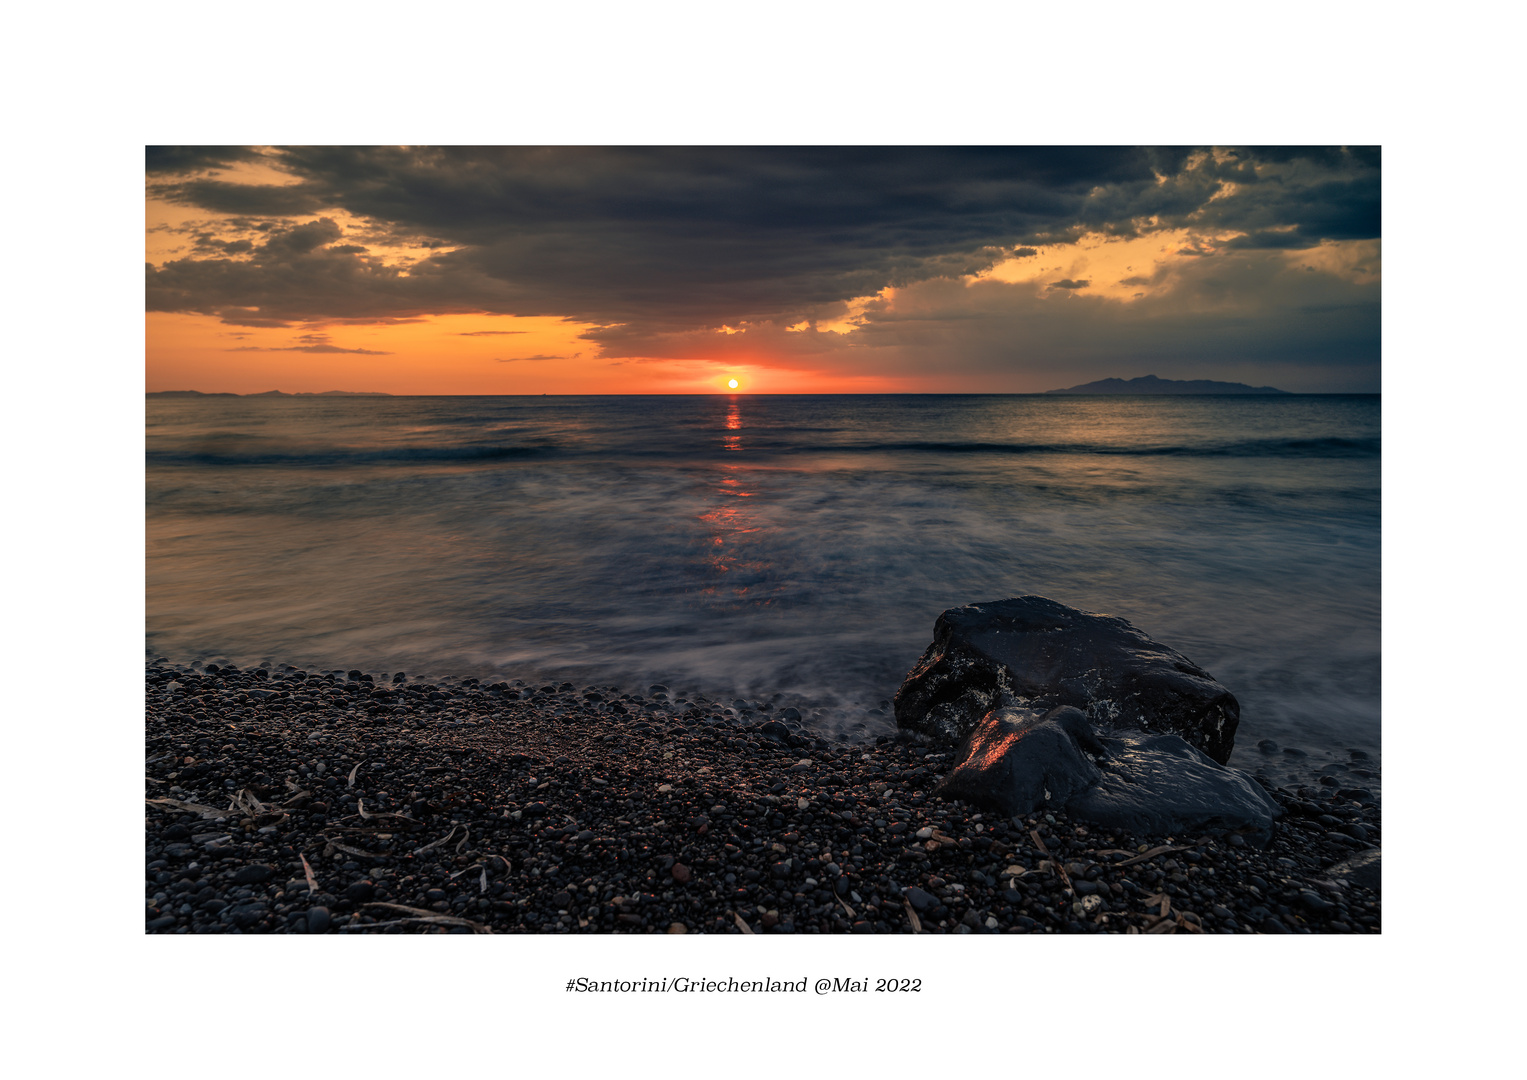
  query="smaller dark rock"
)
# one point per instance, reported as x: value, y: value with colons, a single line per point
x: 164, y: 922
x: 359, y: 892
x: 318, y: 920
x: 177, y: 834
x: 252, y: 874
x: 1364, y: 869
x: 246, y: 915
x: 920, y: 900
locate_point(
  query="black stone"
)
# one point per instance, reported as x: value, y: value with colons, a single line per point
x: 164, y: 922
x: 252, y: 874
x: 920, y: 900
x: 318, y: 920
x: 1314, y: 901
x: 1033, y: 652
x: 1017, y: 762
x: 246, y: 915
x: 359, y: 892
x: 176, y: 834
x: 1364, y: 869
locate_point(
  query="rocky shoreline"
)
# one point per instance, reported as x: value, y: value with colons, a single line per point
x: 285, y: 801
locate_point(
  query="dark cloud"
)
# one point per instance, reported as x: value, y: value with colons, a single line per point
x: 187, y: 159
x: 538, y: 356
x: 488, y: 333
x: 649, y: 243
x: 1067, y: 283
x: 223, y: 197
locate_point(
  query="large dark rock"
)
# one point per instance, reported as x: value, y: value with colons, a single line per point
x: 1034, y: 653
x: 1017, y: 761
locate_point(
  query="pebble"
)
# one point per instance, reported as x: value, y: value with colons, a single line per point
x: 920, y: 900
x: 1314, y: 901
x: 697, y: 820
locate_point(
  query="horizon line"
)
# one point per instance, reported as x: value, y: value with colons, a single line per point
x: 765, y: 393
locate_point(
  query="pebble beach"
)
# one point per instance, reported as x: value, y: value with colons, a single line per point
x: 280, y: 800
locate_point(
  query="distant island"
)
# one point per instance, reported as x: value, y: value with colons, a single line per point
x: 1149, y: 384
x: 270, y: 393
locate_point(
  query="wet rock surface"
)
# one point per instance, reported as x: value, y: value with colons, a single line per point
x: 1020, y: 762
x: 374, y: 803
x: 1157, y: 784
x: 1035, y: 653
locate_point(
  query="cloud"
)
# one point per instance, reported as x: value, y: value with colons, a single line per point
x: 488, y: 333
x: 186, y: 159
x: 223, y: 197
x: 538, y: 356
x: 662, y: 245
x: 309, y: 343
x: 309, y: 349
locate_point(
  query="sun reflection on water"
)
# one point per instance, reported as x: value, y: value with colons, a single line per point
x: 730, y: 524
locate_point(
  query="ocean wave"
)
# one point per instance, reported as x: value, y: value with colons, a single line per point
x: 340, y: 456
x: 1329, y: 447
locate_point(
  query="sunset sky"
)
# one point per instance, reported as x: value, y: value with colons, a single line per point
x: 561, y: 270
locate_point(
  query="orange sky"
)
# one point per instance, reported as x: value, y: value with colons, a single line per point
x: 450, y: 354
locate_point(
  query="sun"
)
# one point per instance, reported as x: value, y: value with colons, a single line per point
x: 732, y: 383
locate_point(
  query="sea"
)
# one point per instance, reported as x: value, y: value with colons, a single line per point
x: 795, y: 549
